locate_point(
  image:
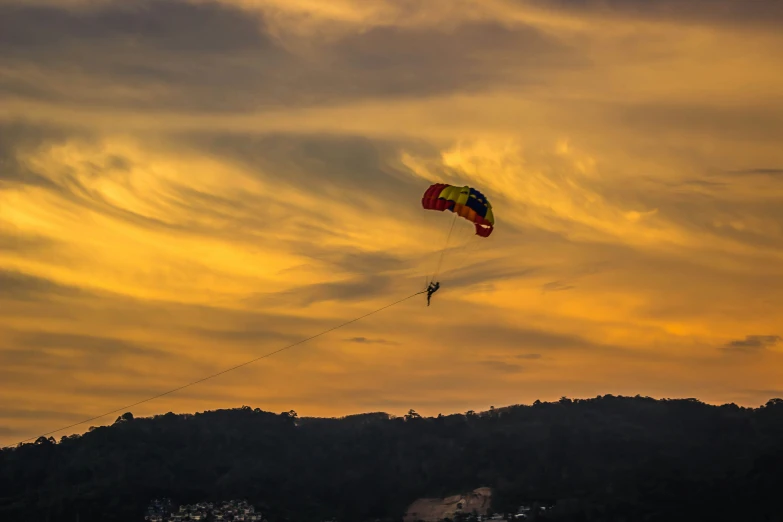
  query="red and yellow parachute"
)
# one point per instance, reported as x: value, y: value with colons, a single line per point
x: 465, y: 201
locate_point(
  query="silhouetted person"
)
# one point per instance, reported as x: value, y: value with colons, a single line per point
x: 431, y: 290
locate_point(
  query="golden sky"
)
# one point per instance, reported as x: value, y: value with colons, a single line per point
x: 186, y: 185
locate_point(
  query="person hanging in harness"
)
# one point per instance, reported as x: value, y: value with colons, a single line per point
x: 431, y: 290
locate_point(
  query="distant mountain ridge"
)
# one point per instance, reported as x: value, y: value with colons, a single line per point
x: 608, y: 458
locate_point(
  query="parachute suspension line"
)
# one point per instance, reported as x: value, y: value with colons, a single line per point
x: 443, y: 250
x: 463, y: 250
x: 470, y: 245
x: 445, y: 246
x: 460, y: 252
x: 270, y: 354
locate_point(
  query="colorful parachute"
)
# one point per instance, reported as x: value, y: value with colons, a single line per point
x: 465, y: 201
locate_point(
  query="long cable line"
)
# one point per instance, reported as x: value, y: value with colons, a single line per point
x: 224, y: 371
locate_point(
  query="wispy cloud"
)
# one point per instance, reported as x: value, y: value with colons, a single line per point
x: 754, y: 343
x: 556, y: 286
x: 365, y: 340
x: 502, y: 367
x: 529, y: 356
x: 770, y: 171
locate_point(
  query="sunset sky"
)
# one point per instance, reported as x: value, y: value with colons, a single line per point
x: 187, y: 185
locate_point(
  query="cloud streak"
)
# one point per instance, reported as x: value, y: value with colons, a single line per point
x: 754, y: 343
x: 365, y: 340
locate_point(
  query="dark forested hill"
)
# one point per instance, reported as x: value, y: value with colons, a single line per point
x: 609, y: 458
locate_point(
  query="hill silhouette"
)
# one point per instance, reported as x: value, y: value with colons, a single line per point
x: 609, y: 459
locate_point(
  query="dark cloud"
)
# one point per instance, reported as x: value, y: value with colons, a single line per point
x: 213, y: 322
x: 256, y: 327
x: 766, y: 171
x: 697, y: 183
x: 55, y: 350
x: 356, y: 289
x: 517, y: 338
x: 212, y: 56
x: 529, y: 356
x: 762, y: 12
x: 762, y: 396
x: 71, y: 188
x: 517, y: 342
x: 376, y: 400
x: 365, y: 340
x: 556, y: 286
x: 223, y: 209
x: 502, y: 367
x: 723, y: 216
x: 753, y: 343
x: 353, y: 169
x: 705, y: 207
x: 25, y: 243
x: 485, y: 272
x: 251, y: 334
x: 172, y: 25
x: 398, y: 61
x: 242, y: 217
x: 354, y: 261
x: 219, y: 388
x: 742, y: 123
x: 227, y: 327
x: 735, y: 220
x: 17, y: 139
x: 177, y: 25
x: 190, y: 49
x: 88, y: 344
x: 21, y: 413
x: 24, y: 287
x: 10, y: 432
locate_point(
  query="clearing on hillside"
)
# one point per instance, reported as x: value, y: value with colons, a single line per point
x: 435, y: 509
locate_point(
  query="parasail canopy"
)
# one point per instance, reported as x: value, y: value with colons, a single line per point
x: 465, y: 201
